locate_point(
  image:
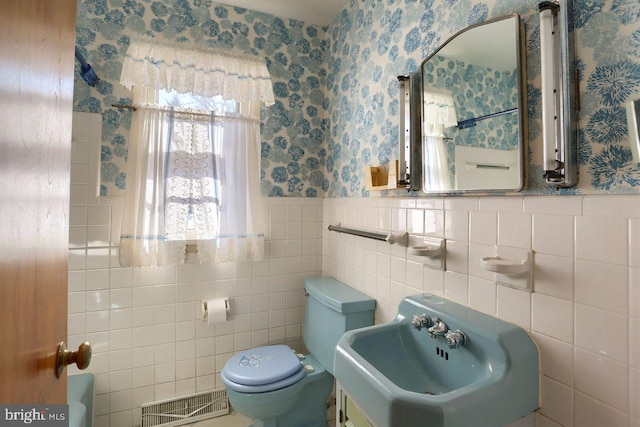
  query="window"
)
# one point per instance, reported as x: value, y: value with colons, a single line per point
x: 198, y: 166
x: 193, y: 164
x: 194, y: 131
x: 188, y: 100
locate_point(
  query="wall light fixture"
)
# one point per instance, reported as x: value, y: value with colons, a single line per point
x: 560, y: 103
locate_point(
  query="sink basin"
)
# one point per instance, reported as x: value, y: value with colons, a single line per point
x: 400, y: 376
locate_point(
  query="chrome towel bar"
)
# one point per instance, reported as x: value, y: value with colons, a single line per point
x: 401, y: 238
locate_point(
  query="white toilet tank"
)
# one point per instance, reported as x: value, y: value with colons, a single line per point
x: 331, y: 309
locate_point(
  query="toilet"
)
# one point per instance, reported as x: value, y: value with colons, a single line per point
x: 277, y: 387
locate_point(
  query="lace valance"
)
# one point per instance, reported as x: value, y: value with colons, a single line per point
x: 198, y: 72
x: 439, y: 109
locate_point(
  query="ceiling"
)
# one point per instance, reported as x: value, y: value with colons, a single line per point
x: 319, y: 12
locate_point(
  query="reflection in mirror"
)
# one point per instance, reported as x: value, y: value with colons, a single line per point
x: 633, y: 121
x: 473, y: 111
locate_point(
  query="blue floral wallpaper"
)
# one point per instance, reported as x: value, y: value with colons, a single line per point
x: 336, y: 87
x: 371, y: 42
x: 293, y: 130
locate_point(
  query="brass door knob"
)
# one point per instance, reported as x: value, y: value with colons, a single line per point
x: 64, y: 357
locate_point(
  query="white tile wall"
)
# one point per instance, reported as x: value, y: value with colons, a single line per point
x: 583, y: 313
x: 143, y: 323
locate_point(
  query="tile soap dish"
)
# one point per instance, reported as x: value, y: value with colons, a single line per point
x: 426, y: 250
x: 432, y: 249
x: 513, y: 273
x: 504, y: 266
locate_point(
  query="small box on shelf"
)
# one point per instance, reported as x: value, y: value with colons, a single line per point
x: 378, y: 178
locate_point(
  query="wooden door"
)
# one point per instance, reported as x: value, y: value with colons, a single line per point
x: 37, y: 40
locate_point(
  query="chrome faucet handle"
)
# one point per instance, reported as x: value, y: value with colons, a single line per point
x: 438, y: 329
x: 421, y: 321
x: 456, y: 339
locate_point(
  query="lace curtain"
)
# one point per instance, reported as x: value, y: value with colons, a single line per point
x: 439, y: 113
x: 435, y: 166
x: 439, y: 109
x: 191, y: 176
x: 199, y: 72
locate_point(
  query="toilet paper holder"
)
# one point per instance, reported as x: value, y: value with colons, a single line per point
x: 204, y: 312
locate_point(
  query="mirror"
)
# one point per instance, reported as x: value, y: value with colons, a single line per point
x: 473, y: 111
x: 633, y: 121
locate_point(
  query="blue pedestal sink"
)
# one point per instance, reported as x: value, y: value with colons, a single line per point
x: 402, y: 377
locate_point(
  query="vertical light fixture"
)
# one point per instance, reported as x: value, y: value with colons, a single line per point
x: 404, y: 146
x: 559, y: 102
x: 548, y: 14
x: 410, y: 136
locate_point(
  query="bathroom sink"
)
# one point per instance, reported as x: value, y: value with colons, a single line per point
x: 400, y: 376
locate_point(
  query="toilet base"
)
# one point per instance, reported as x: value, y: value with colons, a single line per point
x: 301, y: 405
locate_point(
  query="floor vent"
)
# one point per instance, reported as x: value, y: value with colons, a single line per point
x: 185, y: 409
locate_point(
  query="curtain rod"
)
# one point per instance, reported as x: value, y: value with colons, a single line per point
x: 127, y: 107
x: 178, y: 110
x: 201, y: 113
x: 468, y: 123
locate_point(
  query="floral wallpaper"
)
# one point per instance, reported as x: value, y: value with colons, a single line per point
x: 293, y: 130
x: 372, y: 42
x: 336, y: 87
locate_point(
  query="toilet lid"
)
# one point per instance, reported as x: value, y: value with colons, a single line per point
x: 262, y: 365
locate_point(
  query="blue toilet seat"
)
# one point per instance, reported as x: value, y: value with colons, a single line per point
x: 262, y: 369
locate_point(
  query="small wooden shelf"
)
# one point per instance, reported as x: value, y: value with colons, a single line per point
x: 379, y: 178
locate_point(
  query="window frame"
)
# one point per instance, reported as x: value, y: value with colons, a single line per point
x: 151, y: 96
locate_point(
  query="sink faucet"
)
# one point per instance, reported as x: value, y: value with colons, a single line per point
x: 422, y: 321
x: 456, y: 339
x: 439, y: 328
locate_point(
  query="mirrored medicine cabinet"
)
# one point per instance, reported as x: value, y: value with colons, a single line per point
x: 466, y: 106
